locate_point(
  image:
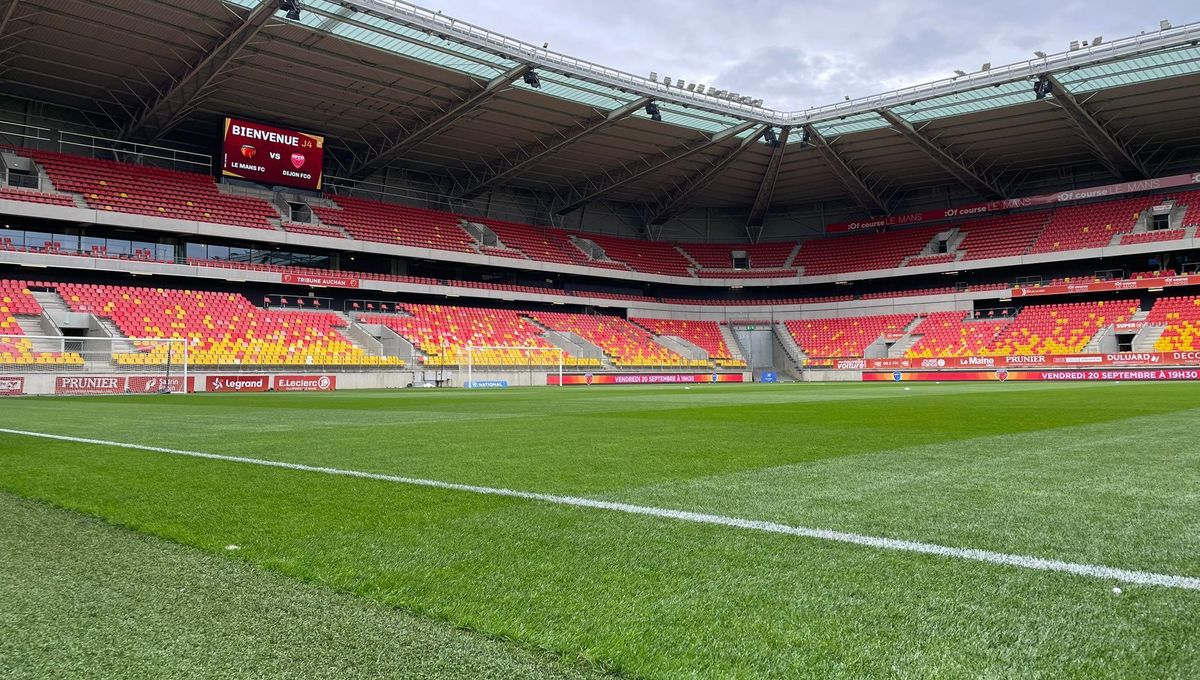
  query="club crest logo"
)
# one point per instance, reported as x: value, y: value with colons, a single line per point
x: 298, y: 160
x: 897, y: 376
x: 1002, y: 375
x: 248, y: 151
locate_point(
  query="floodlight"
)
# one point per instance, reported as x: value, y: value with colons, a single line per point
x: 1039, y: 54
x: 959, y: 72
x: 531, y: 79
x: 1041, y: 87
x: 1164, y: 25
x: 292, y: 7
x: 987, y: 66
x: 771, y: 138
x: 653, y: 111
x: 1097, y: 40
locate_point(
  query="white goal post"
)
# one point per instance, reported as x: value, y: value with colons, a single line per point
x: 64, y: 364
x: 506, y: 358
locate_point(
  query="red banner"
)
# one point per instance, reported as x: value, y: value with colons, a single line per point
x: 1104, y: 286
x: 643, y: 378
x: 238, y: 383
x: 89, y: 384
x: 1153, y: 359
x: 322, y: 281
x: 12, y: 387
x: 305, y: 383
x: 1010, y: 204
x: 1006, y: 375
x: 271, y: 155
x: 144, y: 384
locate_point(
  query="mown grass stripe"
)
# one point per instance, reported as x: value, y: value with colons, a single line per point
x: 877, y: 542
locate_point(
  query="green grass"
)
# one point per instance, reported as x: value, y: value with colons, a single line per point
x: 1103, y: 474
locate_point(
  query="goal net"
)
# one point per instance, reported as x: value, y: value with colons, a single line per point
x: 63, y: 364
x: 512, y: 364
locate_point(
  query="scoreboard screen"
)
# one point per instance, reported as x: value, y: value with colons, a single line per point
x: 271, y: 155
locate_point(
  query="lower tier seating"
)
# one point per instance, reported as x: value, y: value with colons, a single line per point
x: 1181, y: 318
x: 845, y: 337
x: 628, y: 345
x: 220, y: 328
x: 444, y: 334
x: 953, y: 334
x: 1059, y: 329
x: 704, y: 334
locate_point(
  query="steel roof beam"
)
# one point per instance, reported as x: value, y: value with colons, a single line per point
x: 542, y: 148
x: 862, y: 194
x: 1119, y: 160
x: 762, y: 200
x: 941, y: 156
x: 429, y: 128
x: 609, y: 181
x: 672, y: 204
x: 8, y: 14
x: 177, y: 97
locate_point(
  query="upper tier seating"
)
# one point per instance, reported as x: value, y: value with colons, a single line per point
x: 539, y: 243
x: 862, y: 252
x: 1058, y: 329
x: 444, y: 333
x: 844, y: 337
x: 704, y: 334
x: 953, y: 334
x: 1001, y: 236
x: 145, y: 190
x: 220, y: 328
x: 31, y: 196
x: 1093, y: 225
x: 1155, y: 236
x: 397, y: 224
x: 651, y: 257
x: 628, y: 345
x: 937, y: 258
x: 312, y: 229
x: 720, y: 256
x: 1181, y: 316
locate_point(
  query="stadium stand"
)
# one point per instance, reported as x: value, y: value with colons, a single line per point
x: 720, y: 256
x: 704, y: 334
x: 443, y: 335
x: 953, y: 334
x: 1180, y: 317
x: 1092, y: 225
x: 845, y: 337
x: 146, y: 190
x: 545, y: 243
x: 220, y: 328
x: 1156, y: 236
x: 31, y: 196
x: 396, y: 224
x: 651, y: 257
x: 1002, y: 236
x: 1059, y: 328
x: 862, y: 252
x: 628, y: 345
x: 16, y: 349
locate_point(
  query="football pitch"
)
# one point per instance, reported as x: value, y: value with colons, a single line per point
x: 721, y: 531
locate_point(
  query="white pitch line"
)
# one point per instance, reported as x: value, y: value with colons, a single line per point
x: 1024, y: 561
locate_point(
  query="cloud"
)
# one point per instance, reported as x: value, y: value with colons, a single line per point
x: 795, y: 55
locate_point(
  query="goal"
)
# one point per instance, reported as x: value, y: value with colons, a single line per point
x: 64, y: 364
x: 513, y: 361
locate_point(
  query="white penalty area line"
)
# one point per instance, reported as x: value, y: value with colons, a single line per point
x: 877, y: 542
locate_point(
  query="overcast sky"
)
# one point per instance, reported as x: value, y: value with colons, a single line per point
x: 799, y: 54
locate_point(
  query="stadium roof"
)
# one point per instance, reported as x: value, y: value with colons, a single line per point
x: 395, y: 85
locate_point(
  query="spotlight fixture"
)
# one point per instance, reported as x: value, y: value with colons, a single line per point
x: 804, y: 137
x: 292, y: 7
x: 1041, y: 87
x: 771, y: 137
x: 531, y: 79
x: 1039, y: 54
x: 653, y: 111
x: 959, y: 72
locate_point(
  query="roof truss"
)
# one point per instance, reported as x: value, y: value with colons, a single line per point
x: 942, y: 157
